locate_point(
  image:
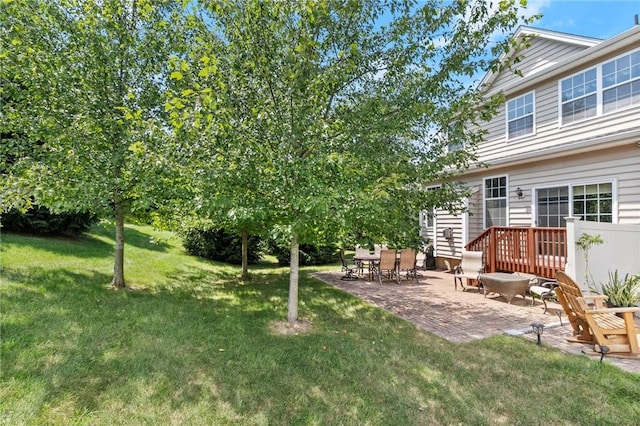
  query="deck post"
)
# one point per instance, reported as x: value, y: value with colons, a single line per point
x: 492, y: 249
x: 531, y: 251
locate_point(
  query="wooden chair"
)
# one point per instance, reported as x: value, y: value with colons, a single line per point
x: 408, y: 263
x: 470, y: 268
x: 387, y: 263
x: 567, y: 291
x: 613, y: 329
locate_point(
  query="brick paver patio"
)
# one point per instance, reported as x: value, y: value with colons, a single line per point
x: 428, y: 304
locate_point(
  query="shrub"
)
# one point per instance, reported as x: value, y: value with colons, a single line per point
x: 309, y: 254
x: 40, y: 221
x: 219, y: 245
x: 622, y: 292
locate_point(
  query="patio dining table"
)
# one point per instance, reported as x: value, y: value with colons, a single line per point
x: 371, y: 258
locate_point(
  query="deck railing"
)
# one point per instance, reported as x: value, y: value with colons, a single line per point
x: 539, y: 251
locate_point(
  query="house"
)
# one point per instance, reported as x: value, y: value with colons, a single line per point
x: 566, y: 143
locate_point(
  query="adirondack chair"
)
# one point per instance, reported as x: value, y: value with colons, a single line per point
x: 618, y: 334
x: 596, y: 324
x: 568, y: 290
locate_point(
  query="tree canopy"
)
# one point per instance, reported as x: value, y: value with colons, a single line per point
x: 322, y: 119
x: 86, y: 79
x: 332, y: 115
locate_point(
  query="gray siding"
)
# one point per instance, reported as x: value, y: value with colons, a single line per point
x: 542, y: 54
x: 620, y: 164
x: 605, y: 148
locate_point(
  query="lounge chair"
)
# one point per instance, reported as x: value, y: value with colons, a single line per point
x: 612, y: 330
x: 566, y: 292
x: 470, y: 267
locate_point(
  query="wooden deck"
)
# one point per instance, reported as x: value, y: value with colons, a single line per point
x: 538, y: 251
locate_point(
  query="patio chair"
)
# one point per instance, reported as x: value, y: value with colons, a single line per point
x: 387, y: 264
x: 421, y: 260
x: 408, y: 263
x: 566, y: 292
x: 610, y: 328
x: 359, y: 263
x: 377, y: 249
x: 470, y: 267
x: 350, y: 273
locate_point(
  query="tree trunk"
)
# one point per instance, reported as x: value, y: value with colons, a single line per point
x: 292, y: 314
x: 118, y: 266
x: 245, y: 255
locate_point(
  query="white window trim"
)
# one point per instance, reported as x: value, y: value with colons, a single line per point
x: 571, y: 185
x: 484, y: 199
x: 599, y: 92
x: 533, y: 114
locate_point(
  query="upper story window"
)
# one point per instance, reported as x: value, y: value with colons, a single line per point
x: 579, y: 98
x: 452, y: 134
x: 605, y: 88
x: 520, y: 116
x: 621, y: 82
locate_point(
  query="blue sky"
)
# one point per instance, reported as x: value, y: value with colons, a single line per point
x: 592, y: 18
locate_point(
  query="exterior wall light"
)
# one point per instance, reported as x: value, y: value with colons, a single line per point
x: 519, y: 192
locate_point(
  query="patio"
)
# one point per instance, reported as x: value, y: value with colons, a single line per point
x: 428, y: 304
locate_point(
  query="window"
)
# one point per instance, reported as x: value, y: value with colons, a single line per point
x: 495, y: 201
x: 621, y: 82
x: 453, y: 134
x: 606, y: 88
x: 520, y: 116
x: 579, y: 97
x: 590, y: 202
x: 594, y: 203
x: 553, y: 206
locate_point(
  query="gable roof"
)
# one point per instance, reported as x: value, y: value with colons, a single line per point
x: 555, y: 36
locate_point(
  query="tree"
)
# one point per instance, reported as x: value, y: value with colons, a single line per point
x: 87, y: 79
x: 331, y: 113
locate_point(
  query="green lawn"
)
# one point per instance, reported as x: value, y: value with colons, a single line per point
x: 189, y: 343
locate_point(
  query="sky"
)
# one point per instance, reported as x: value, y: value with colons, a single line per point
x: 591, y: 18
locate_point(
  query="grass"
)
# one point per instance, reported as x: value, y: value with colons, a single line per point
x: 189, y: 343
